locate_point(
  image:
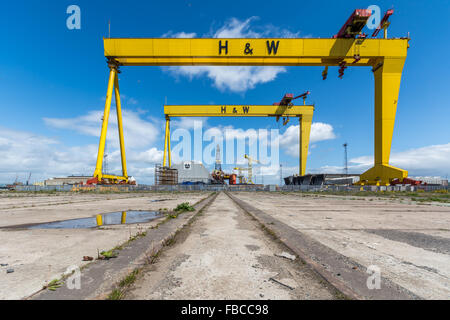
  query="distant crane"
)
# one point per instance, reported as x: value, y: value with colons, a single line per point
x: 28, y: 180
x: 345, y: 145
x: 250, y: 168
x: 287, y: 102
x: 241, y: 177
x: 218, y: 165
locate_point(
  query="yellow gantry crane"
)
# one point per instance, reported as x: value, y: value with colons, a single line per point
x: 385, y: 58
x: 303, y: 112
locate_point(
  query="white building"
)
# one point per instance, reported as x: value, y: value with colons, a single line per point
x: 192, y: 171
x: 71, y: 180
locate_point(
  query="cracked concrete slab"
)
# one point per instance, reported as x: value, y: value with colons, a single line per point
x: 226, y: 255
x: 408, y: 242
x: 39, y: 256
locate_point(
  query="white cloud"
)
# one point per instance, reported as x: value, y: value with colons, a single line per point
x: 289, y: 140
x: 231, y: 133
x: 132, y: 101
x: 138, y: 132
x: 425, y: 161
x: 234, y: 78
x: 188, y: 122
x: 150, y: 156
x: 24, y: 152
x: 171, y: 34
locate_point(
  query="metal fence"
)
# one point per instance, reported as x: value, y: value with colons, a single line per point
x: 44, y: 188
x: 212, y: 187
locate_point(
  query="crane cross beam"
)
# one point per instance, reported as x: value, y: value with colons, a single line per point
x: 236, y: 110
x: 236, y: 52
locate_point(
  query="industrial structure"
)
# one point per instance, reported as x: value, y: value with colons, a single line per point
x: 348, y: 48
x: 322, y: 179
x: 303, y: 112
x: 218, y: 165
x: 218, y: 176
x: 250, y: 167
x: 242, y: 179
x: 192, y: 172
x: 70, y: 180
x: 165, y: 175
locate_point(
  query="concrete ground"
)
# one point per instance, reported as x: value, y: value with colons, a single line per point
x: 226, y: 255
x: 41, y: 255
x: 409, y: 242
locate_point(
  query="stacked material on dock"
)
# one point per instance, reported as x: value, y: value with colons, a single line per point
x: 165, y: 176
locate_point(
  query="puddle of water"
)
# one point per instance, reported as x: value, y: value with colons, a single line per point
x: 113, y: 218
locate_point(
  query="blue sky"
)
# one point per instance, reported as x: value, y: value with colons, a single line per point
x: 53, y: 82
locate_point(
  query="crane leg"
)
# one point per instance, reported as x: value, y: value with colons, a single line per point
x: 120, y: 127
x: 168, y: 145
x: 305, y: 130
x: 165, y: 143
x: 387, y: 87
x: 101, y: 148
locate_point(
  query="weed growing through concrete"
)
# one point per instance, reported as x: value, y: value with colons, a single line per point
x: 119, y: 292
x: 183, y: 207
x: 129, y: 279
x: 116, y: 294
x: 53, y: 285
x: 109, y: 254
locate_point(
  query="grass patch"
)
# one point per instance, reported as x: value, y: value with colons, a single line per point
x: 137, y: 236
x: 119, y: 293
x: 172, y: 216
x: 340, y: 296
x: 109, y: 254
x: 116, y: 294
x: 431, y: 199
x: 170, y: 241
x: 183, y: 207
x: 54, y: 284
x: 129, y: 279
